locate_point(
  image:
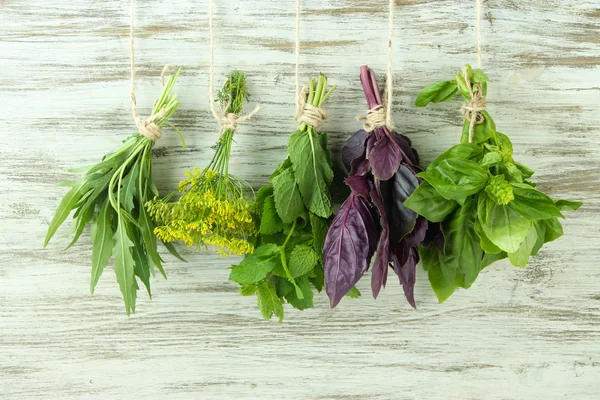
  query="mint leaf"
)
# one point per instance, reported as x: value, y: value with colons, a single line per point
x: 270, y: 222
x: 302, y: 260
x: 256, y: 266
x: 319, y: 229
x: 247, y: 290
x: 311, y: 170
x: 287, y: 197
x: 307, y: 300
x: 268, y: 302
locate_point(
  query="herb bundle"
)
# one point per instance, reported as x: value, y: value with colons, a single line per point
x: 486, y: 206
x: 293, y: 211
x: 111, y: 196
x: 373, y: 219
x: 213, y: 208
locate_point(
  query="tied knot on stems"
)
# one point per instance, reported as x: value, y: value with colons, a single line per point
x: 375, y: 118
x: 229, y: 120
x: 147, y: 127
x: 309, y: 114
x: 477, y: 104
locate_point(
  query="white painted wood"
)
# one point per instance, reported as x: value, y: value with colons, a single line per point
x: 517, y: 334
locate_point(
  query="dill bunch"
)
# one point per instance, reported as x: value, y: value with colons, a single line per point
x: 212, y: 209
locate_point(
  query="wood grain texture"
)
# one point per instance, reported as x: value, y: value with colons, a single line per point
x: 516, y: 334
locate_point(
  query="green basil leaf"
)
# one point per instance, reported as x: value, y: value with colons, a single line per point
x: 553, y: 229
x: 440, y: 285
x: 532, y: 203
x: 456, y: 179
x: 567, y: 205
x: 479, y: 76
x: 520, y: 257
x: 436, y: 93
x: 525, y: 172
x: 485, y: 242
x: 481, y: 132
x: 490, y: 159
x: 463, y: 151
x: 426, y: 201
x: 504, y: 226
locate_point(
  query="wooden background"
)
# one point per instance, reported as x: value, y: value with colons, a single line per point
x: 517, y: 334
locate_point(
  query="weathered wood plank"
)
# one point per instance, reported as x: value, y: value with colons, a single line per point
x: 64, y: 80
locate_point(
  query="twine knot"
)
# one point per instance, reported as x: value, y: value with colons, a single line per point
x: 230, y: 121
x: 376, y: 118
x: 309, y: 114
x: 477, y: 104
x: 147, y: 127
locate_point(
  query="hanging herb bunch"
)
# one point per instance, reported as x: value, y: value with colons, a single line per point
x: 212, y: 209
x: 487, y: 207
x: 373, y: 220
x: 111, y: 196
x: 293, y: 211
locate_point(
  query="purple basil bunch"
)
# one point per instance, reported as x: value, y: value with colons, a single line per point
x: 373, y: 219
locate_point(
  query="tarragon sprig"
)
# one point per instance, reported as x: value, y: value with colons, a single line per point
x: 111, y: 196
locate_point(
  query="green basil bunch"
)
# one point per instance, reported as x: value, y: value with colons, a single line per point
x: 485, y: 204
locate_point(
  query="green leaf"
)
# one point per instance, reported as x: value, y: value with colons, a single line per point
x: 532, y: 203
x: 147, y: 230
x: 302, y: 260
x: 455, y: 179
x: 311, y: 170
x: 462, y: 247
x: 269, y: 303
x: 520, y: 257
x: 141, y: 261
x: 553, y: 229
x: 426, y: 201
x: 353, y: 293
x: 124, y: 266
x: 256, y: 266
x: 84, y: 216
x: 130, y: 187
x: 525, y: 171
x: 283, y: 286
x: 489, y: 259
x: 65, y: 207
x: 481, y: 132
x: 174, y: 253
x: 504, y: 226
x: 513, y: 173
x: 287, y: 197
x: 307, y: 295
x: 491, y: 158
x: 479, y: 76
x: 567, y: 205
x: 261, y: 196
x: 247, y: 290
x: 436, y: 93
x: 270, y: 222
x: 463, y: 151
x: 485, y: 242
x: 318, y: 278
x: 441, y: 287
x: 319, y: 229
x: 102, y: 239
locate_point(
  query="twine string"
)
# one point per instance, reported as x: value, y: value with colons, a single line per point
x: 305, y: 112
x: 390, y: 77
x: 227, y: 121
x: 472, y: 110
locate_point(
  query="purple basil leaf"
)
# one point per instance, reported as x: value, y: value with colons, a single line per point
x: 403, y: 219
x: 409, y: 154
x: 382, y: 255
x: 360, y: 185
x: 347, y: 247
x: 384, y: 156
x: 354, y: 148
x: 406, y: 271
x: 360, y: 165
x: 417, y: 236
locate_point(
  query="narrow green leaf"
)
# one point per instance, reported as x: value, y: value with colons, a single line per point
x: 130, y: 187
x: 102, y: 239
x: 124, y: 266
x: 62, y: 212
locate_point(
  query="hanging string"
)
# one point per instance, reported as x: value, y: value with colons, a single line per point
x: 381, y: 115
x: 146, y: 126
x: 227, y: 121
x: 390, y: 77
x: 477, y: 104
x: 305, y: 112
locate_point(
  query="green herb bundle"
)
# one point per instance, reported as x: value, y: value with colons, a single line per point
x: 111, y: 196
x: 486, y: 206
x: 213, y: 209
x: 293, y: 211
